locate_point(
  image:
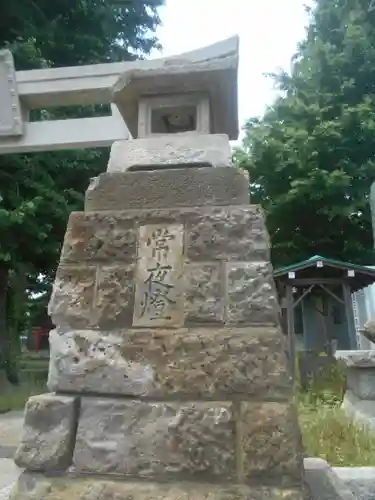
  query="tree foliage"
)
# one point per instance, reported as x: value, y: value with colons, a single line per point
x: 311, y: 157
x: 38, y: 191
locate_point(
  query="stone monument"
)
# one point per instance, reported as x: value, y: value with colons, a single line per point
x: 167, y: 362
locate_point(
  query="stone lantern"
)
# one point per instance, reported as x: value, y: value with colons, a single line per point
x: 180, y: 98
x: 167, y: 367
x: 180, y: 114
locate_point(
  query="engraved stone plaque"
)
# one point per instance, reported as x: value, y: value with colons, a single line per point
x: 10, y: 111
x: 159, y: 293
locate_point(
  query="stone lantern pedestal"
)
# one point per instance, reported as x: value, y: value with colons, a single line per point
x: 168, y: 365
x: 359, y: 399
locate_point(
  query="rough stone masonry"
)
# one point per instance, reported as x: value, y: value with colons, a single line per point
x: 168, y: 366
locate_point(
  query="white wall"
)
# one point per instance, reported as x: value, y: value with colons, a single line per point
x: 364, y: 309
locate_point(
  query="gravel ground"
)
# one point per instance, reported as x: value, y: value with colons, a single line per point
x: 9, y: 473
x: 361, y: 480
x: 11, y: 424
x: 364, y: 490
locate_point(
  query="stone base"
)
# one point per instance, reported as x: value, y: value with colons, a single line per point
x: 37, y: 487
x: 322, y: 483
x: 175, y: 187
x: 204, y: 441
x: 360, y: 367
x: 360, y: 410
x: 159, y: 152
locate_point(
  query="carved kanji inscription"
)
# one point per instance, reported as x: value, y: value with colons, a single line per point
x: 158, y: 280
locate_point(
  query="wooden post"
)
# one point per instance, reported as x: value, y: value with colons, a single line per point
x: 349, y: 316
x: 290, y: 326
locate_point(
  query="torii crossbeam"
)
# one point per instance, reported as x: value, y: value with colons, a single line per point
x: 23, y: 91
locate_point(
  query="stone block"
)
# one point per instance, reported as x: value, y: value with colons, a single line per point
x: 163, y: 440
x: 114, y: 297
x: 271, y: 443
x: 227, y: 233
x: 161, y: 152
x: 36, y: 487
x: 98, y: 239
x: 235, y: 233
x: 205, y: 293
x: 357, y: 359
x: 48, y: 435
x: 362, y: 382
x: 199, y: 363
x: 87, y: 361
x: 325, y: 483
x: 252, y: 295
x: 362, y: 411
x: 72, y: 296
x: 173, y: 187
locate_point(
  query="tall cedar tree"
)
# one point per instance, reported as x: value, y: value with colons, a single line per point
x: 311, y: 158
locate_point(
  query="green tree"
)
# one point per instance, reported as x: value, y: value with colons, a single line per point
x: 38, y: 191
x: 311, y: 157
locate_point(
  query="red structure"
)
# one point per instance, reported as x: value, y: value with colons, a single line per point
x: 39, y: 333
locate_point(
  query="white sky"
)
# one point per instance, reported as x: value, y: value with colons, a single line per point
x: 269, y: 31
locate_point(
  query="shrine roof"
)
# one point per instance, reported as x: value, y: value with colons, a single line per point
x: 320, y: 268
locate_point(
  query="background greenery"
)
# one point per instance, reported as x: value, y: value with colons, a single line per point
x: 311, y: 157
x: 38, y: 191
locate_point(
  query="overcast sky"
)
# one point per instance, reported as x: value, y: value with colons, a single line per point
x: 269, y: 31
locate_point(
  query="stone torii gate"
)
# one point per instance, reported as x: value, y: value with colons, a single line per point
x: 23, y: 91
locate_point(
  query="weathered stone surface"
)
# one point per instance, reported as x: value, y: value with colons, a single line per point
x: 160, y: 152
x: 98, y: 238
x: 36, y: 487
x: 236, y: 233
x: 362, y: 382
x: 174, y: 187
x: 220, y: 363
x: 326, y: 483
x: 362, y: 411
x: 357, y: 359
x: 368, y: 330
x: 216, y: 78
x: 48, y: 435
x: 271, y: 443
x: 205, y: 293
x: 159, y: 284
x: 251, y: 293
x: 229, y: 233
x: 73, y: 296
x: 165, y: 440
x: 87, y: 361
x: 114, y: 297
